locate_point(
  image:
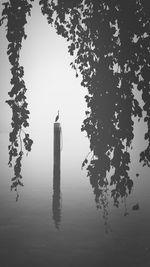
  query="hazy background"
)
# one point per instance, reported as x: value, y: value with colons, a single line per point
x: 27, y: 230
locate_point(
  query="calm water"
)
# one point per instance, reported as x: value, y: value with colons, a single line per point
x: 73, y: 233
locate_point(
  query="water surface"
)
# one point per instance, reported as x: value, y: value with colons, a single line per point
x: 30, y: 234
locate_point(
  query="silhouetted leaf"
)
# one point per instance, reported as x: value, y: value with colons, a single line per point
x: 136, y: 207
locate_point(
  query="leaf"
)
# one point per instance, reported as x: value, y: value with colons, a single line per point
x: 84, y: 163
x: 136, y: 207
x: 14, y: 178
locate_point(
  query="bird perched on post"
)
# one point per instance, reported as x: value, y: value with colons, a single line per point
x: 57, y: 117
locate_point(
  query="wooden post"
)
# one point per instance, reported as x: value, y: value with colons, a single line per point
x: 57, y: 149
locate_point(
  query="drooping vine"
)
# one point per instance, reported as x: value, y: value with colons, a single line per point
x: 14, y: 15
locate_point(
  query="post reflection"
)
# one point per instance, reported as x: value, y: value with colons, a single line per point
x: 56, y: 203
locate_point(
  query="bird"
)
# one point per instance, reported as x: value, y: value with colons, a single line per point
x: 57, y: 117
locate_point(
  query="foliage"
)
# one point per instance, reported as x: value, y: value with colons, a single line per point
x: 14, y: 13
x: 110, y: 43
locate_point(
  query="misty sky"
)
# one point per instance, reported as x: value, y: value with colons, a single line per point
x: 50, y: 81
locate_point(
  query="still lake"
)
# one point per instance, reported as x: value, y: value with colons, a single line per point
x: 35, y: 231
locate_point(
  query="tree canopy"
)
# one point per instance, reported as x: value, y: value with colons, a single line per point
x: 110, y: 42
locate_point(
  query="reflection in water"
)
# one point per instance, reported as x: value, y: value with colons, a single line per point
x: 56, y: 204
x: 102, y: 203
x: 109, y: 180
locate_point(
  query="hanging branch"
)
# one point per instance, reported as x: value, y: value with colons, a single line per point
x: 110, y: 44
x: 102, y: 38
x: 15, y: 13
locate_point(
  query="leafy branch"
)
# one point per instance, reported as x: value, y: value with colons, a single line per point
x: 14, y: 14
x: 110, y: 44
